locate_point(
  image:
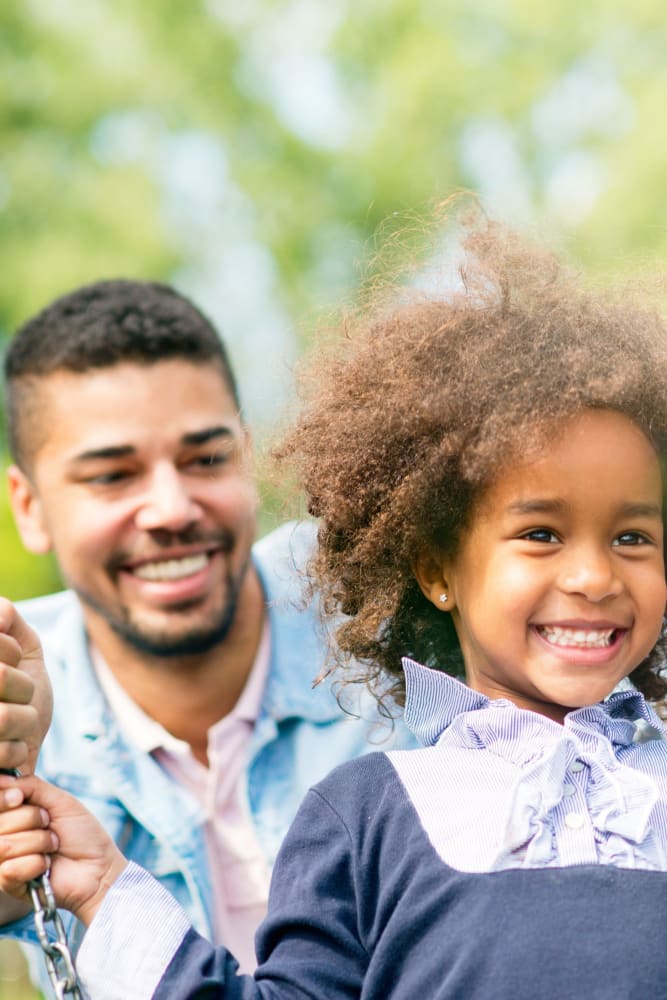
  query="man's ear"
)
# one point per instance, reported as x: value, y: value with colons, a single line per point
x: 27, y: 509
x: 432, y: 574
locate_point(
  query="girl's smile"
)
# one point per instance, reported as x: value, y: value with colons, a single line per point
x: 557, y: 590
x: 583, y: 642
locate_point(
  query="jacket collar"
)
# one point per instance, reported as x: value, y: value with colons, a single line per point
x: 300, y: 641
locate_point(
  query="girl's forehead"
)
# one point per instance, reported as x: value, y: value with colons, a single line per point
x: 596, y: 452
x: 550, y: 440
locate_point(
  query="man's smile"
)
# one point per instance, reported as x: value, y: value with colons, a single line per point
x: 172, y: 569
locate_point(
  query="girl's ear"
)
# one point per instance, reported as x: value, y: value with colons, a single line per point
x: 27, y: 509
x: 430, y: 570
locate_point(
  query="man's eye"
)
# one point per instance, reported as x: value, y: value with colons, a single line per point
x: 541, y: 535
x: 631, y: 538
x: 215, y: 458
x: 108, y: 478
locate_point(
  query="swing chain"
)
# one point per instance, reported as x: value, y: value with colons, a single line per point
x: 57, y: 956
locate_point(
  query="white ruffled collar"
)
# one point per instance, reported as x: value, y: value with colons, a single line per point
x: 443, y: 712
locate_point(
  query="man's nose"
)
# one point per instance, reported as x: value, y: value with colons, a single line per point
x: 167, y: 502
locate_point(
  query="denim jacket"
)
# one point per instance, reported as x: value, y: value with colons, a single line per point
x: 300, y: 735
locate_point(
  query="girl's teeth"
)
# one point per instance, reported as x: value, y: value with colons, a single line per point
x: 577, y: 637
x: 172, y: 569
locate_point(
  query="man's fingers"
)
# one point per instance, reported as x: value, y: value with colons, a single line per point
x: 17, y: 722
x: 23, y: 681
x: 12, y: 624
x: 15, y: 684
x: 10, y: 650
x: 19, y: 725
x: 13, y: 755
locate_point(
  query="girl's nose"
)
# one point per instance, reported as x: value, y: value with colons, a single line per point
x: 591, y: 573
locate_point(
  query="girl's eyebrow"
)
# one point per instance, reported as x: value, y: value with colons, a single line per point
x: 556, y: 506
x: 642, y: 510
x: 537, y: 506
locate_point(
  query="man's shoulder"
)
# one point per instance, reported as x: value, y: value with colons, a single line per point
x: 287, y: 549
x: 281, y: 559
x: 45, y: 613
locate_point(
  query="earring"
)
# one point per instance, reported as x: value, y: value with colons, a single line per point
x: 443, y: 598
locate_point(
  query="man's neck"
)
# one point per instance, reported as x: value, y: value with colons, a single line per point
x: 189, y: 694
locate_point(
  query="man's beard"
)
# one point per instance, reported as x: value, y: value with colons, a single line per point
x: 161, y: 645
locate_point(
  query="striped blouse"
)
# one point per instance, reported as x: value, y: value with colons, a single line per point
x: 590, y: 791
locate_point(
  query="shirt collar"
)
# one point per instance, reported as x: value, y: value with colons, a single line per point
x: 148, y: 735
x: 434, y: 699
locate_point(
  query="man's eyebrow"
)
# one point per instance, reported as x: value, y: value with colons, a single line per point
x: 110, y: 451
x: 192, y: 438
x: 207, y: 434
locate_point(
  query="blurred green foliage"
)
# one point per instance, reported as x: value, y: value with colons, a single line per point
x: 309, y: 125
x: 14, y: 981
x: 21, y: 574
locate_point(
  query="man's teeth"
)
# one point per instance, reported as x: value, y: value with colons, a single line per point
x: 577, y: 637
x: 172, y: 569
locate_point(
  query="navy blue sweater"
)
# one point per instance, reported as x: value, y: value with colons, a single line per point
x: 363, y: 907
x: 510, y: 858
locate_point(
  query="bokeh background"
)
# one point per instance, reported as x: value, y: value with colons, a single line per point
x: 248, y: 150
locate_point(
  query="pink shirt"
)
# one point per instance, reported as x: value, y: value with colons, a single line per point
x: 239, y: 873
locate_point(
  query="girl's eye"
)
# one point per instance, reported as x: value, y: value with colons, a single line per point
x: 541, y: 535
x: 631, y: 538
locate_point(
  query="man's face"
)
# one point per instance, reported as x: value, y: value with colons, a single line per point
x: 142, y: 486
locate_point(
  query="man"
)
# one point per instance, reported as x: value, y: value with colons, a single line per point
x: 181, y: 658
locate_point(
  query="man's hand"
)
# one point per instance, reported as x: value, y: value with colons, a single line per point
x: 26, y: 701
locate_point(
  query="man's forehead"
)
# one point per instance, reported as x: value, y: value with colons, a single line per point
x: 130, y: 405
x: 155, y: 389
x: 128, y: 375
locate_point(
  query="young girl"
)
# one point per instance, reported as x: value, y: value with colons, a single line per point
x: 486, y: 468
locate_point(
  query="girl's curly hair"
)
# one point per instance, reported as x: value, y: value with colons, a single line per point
x: 423, y: 400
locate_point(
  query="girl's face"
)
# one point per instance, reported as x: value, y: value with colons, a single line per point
x: 558, y: 588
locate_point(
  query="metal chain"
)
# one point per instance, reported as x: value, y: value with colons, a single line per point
x: 57, y: 955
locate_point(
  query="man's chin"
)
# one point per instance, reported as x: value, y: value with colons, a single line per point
x: 165, y: 645
x: 187, y: 630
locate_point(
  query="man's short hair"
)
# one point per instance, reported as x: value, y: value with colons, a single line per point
x: 101, y: 325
